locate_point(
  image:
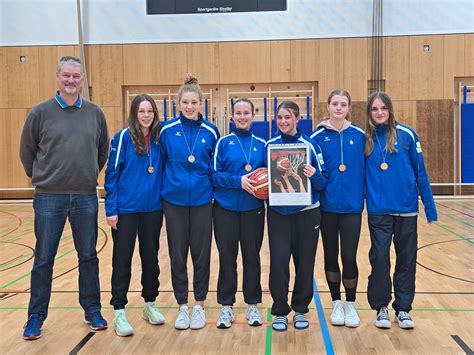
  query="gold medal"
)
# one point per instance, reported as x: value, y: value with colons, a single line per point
x: 384, y: 166
x: 191, y: 158
x: 342, y: 168
x: 151, y: 170
x: 248, y: 167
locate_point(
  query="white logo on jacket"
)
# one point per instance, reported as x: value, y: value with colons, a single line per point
x: 351, y: 141
x: 231, y: 143
x: 320, y: 158
x: 178, y: 134
x: 418, y: 147
x: 203, y: 140
x: 326, y: 139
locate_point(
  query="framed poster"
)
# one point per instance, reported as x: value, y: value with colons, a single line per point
x: 288, y: 185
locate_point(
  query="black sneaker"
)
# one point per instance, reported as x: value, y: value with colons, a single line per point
x: 383, y: 319
x: 404, y: 320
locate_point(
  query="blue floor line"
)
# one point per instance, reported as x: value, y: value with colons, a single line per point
x: 322, y: 321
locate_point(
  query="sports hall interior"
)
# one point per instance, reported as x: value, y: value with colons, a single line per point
x: 427, y: 72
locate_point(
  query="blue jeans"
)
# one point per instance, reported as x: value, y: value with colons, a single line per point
x: 51, y: 211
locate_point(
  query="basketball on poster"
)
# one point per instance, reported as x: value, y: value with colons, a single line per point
x: 288, y: 185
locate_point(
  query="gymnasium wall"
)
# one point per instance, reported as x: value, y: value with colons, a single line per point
x: 54, y: 22
x: 421, y: 83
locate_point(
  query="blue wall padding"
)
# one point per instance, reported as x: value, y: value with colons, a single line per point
x: 305, y: 126
x: 467, y: 143
x: 259, y: 128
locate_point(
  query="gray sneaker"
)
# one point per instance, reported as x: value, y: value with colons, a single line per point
x: 351, y: 318
x: 254, y: 318
x: 225, y: 318
x: 337, y: 314
x: 198, y: 318
x: 182, y: 321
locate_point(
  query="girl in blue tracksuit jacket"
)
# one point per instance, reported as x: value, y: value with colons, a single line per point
x: 188, y: 144
x: 132, y: 205
x: 395, y: 175
x: 342, y: 203
x: 294, y: 230
x: 239, y: 216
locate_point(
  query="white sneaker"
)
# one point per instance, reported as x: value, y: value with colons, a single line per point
x: 152, y: 314
x: 225, y: 318
x: 121, y: 325
x: 254, y: 318
x: 337, y: 314
x: 383, y: 319
x: 198, y: 318
x: 182, y: 321
x: 351, y: 318
x: 404, y: 320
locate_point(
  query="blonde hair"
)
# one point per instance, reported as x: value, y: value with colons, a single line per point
x: 190, y: 84
x: 391, y: 136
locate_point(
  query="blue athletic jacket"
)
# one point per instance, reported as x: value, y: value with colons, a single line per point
x: 318, y: 180
x: 186, y: 183
x: 130, y: 187
x: 344, y: 192
x: 395, y: 190
x: 229, y: 166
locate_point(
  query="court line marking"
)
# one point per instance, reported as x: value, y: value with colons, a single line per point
x: 269, y: 333
x: 83, y: 342
x: 322, y: 321
x: 61, y: 256
x: 438, y: 272
x: 462, y: 344
x: 454, y: 233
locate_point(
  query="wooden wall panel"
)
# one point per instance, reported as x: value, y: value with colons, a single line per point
x: 12, y: 173
x: 331, y: 64
x: 357, y: 113
x: 114, y: 117
x: 453, y: 62
x: 396, y: 67
x: 280, y: 61
x: 435, y: 126
x: 245, y: 62
x: 3, y: 75
x: 106, y: 74
x: 469, y: 54
x: 154, y: 64
x: 426, y: 68
x: 203, y: 61
x: 23, y: 77
x: 358, y: 109
x: 355, y: 67
x: 405, y: 112
x: 48, y: 58
x: 304, y: 60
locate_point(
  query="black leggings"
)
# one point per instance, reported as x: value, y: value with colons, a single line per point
x: 347, y: 226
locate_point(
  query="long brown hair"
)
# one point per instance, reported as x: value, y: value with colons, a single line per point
x: 340, y: 92
x: 138, y: 138
x: 391, y: 136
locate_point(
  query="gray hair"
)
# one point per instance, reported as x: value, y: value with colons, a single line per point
x: 70, y: 60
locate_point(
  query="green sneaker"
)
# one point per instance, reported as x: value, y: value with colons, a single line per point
x: 121, y: 325
x: 152, y: 314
